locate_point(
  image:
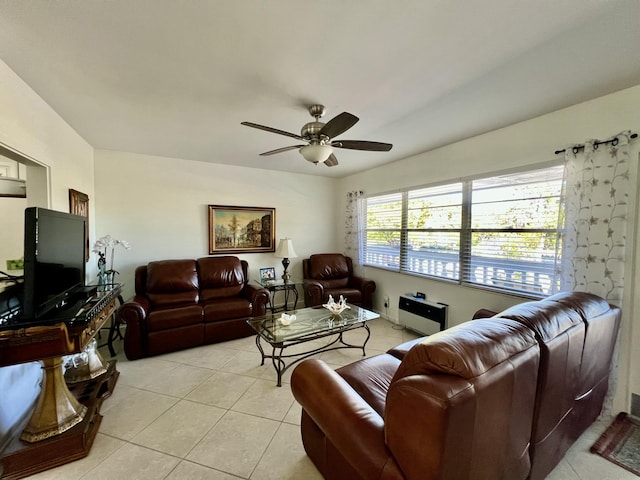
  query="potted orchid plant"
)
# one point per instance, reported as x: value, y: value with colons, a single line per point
x: 104, y: 247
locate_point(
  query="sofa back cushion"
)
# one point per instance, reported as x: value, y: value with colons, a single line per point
x: 560, y: 332
x: 468, y: 389
x: 171, y: 283
x: 602, y: 322
x: 577, y: 333
x: 221, y: 277
x: 332, y: 269
x: 467, y: 350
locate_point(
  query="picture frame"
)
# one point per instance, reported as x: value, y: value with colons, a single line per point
x: 241, y: 229
x: 267, y: 274
x: 79, y: 205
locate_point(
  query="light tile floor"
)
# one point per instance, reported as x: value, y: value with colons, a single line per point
x: 214, y: 413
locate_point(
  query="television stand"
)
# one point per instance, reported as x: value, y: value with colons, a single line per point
x: 65, y: 420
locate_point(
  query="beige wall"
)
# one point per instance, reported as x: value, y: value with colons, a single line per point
x: 160, y: 204
x: 31, y: 128
x: 58, y: 159
x: 527, y: 143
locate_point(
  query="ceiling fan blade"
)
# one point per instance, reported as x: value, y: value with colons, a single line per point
x: 332, y: 161
x: 362, y: 145
x: 339, y: 124
x: 280, y: 150
x: 272, y: 130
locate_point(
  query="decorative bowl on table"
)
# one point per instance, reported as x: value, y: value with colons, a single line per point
x: 336, y: 308
x: 286, y: 319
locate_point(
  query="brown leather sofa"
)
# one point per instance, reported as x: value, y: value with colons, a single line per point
x: 185, y: 303
x: 493, y: 398
x: 327, y: 274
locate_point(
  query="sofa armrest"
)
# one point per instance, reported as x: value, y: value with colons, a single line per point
x: 344, y: 417
x: 484, y: 313
x: 258, y: 296
x: 363, y: 284
x: 366, y: 287
x: 134, y: 313
x: 313, y: 293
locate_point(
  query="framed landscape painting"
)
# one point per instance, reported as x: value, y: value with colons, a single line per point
x: 241, y: 229
x: 79, y: 205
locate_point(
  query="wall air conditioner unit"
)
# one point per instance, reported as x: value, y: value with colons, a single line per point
x: 421, y: 316
x: 13, y: 187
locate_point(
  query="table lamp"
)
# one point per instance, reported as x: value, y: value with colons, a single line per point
x: 285, y: 251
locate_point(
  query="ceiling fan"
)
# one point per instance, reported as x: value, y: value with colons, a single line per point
x: 320, y: 137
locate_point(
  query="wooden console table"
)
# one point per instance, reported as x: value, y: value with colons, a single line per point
x: 65, y: 419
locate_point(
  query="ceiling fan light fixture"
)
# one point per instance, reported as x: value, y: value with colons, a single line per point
x: 316, y: 153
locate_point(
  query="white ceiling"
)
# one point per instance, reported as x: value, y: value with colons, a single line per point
x: 175, y: 78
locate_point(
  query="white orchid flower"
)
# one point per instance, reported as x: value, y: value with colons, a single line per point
x: 103, y: 244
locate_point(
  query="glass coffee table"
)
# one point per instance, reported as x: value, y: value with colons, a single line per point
x: 314, y: 323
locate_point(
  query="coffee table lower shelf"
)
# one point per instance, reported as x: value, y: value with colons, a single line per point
x: 278, y: 357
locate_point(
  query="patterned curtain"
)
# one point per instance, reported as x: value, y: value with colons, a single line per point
x: 595, y: 206
x: 352, y: 228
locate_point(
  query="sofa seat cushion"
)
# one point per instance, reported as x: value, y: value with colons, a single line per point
x: 371, y: 377
x: 168, y: 318
x: 227, y: 308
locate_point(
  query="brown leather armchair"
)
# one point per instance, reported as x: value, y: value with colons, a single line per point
x: 327, y: 274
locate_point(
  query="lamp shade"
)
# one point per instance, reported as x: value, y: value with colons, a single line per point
x: 316, y: 153
x: 285, y: 249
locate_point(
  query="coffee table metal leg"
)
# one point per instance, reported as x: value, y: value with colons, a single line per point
x: 278, y: 363
x: 366, y: 327
x: 259, y: 345
x: 350, y: 345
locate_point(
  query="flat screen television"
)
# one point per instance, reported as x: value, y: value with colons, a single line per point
x: 54, y: 259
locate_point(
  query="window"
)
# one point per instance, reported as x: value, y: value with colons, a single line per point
x: 500, y: 232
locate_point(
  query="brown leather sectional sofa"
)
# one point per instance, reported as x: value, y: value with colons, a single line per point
x: 493, y: 398
x: 185, y: 303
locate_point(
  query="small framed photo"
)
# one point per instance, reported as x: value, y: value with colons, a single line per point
x: 267, y: 274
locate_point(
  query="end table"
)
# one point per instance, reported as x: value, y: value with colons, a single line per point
x: 289, y: 287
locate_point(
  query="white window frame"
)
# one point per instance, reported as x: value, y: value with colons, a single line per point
x: 529, y: 273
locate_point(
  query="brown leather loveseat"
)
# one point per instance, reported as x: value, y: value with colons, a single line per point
x: 494, y: 398
x: 332, y: 274
x: 185, y: 303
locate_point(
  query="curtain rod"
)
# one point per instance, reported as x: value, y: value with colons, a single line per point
x: 612, y: 140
